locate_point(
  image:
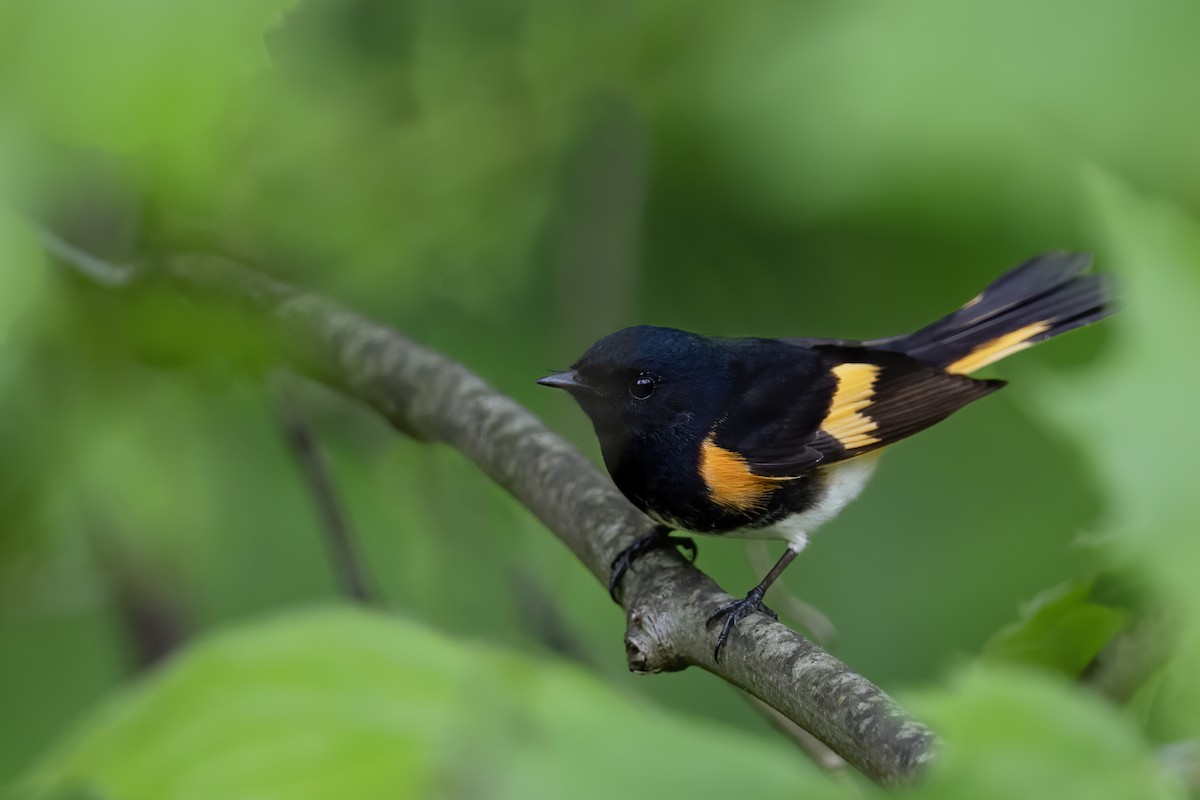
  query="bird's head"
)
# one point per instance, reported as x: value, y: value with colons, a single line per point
x: 644, y: 382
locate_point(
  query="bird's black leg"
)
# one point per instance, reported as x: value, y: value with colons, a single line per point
x: 740, y: 609
x: 657, y: 538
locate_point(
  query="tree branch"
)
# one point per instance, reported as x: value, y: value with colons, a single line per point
x: 810, y: 745
x: 667, y: 601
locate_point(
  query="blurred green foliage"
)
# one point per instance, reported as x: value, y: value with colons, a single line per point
x: 386, y: 708
x: 1023, y: 735
x: 1062, y: 629
x: 508, y: 181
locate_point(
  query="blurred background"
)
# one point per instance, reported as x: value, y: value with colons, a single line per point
x: 507, y: 182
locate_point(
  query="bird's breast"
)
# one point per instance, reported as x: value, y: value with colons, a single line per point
x: 832, y: 489
x: 713, y: 499
x: 791, y: 511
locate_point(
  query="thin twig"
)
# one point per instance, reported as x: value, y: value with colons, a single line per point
x: 335, y: 525
x: 93, y: 268
x: 153, y: 617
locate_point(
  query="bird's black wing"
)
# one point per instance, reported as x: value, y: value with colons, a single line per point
x: 858, y: 399
x: 879, y: 391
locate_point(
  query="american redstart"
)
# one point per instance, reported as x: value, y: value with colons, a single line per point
x: 771, y: 438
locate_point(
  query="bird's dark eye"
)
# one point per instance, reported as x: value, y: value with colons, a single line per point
x: 642, y: 387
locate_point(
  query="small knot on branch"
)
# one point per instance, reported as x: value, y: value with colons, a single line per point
x: 647, y: 648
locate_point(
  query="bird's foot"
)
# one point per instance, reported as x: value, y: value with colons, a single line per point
x: 735, y: 612
x: 658, y: 538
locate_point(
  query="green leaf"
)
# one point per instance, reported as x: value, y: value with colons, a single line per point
x: 1015, y: 733
x: 1135, y: 416
x: 1022, y: 734
x: 342, y: 703
x: 1061, y: 629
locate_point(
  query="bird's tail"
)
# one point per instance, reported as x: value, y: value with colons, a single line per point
x: 1043, y: 297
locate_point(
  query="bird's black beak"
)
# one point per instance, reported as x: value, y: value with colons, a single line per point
x: 564, y: 380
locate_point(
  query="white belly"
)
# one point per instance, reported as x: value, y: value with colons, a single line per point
x: 843, y: 483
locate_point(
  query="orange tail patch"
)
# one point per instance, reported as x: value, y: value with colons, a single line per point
x: 998, y: 348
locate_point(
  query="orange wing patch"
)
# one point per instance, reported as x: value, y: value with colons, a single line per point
x: 855, y: 391
x: 729, y: 480
x: 998, y: 348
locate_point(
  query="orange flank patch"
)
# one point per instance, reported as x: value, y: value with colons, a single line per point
x: 855, y: 391
x: 729, y: 480
x: 998, y: 348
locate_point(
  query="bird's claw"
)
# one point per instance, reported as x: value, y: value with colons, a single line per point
x: 735, y: 612
x: 658, y: 538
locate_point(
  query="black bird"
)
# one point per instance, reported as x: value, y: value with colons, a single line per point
x: 771, y: 438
